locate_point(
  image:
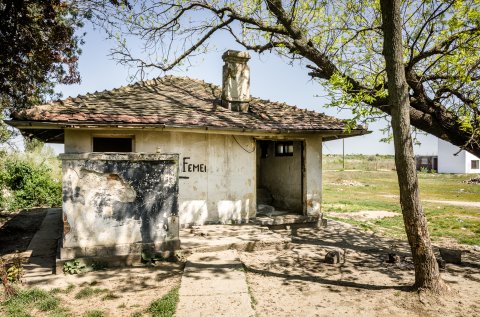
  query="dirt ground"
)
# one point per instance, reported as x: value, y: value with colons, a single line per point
x: 291, y: 282
x: 297, y: 282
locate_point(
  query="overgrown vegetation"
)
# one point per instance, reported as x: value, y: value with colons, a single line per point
x: 165, y: 306
x: 73, y: 267
x: 30, y: 179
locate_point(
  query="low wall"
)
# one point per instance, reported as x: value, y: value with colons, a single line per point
x: 117, y: 204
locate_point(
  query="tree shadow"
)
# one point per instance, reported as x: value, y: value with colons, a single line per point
x: 18, y: 229
x: 321, y: 280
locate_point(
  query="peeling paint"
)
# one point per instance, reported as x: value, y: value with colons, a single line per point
x: 112, y: 199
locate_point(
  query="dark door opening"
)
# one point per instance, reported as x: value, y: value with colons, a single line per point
x: 279, y: 177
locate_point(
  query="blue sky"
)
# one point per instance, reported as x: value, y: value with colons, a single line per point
x: 271, y: 78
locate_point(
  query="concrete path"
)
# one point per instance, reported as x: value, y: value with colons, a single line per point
x: 43, y: 247
x: 214, y: 284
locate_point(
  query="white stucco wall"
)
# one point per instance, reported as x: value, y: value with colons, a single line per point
x: 223, y: 189
x: 469, y: 157
x: 448, y: 162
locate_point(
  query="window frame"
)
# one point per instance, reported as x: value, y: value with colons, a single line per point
x: 285, y: 146
x: 475, y: 164
x: 113, y: 136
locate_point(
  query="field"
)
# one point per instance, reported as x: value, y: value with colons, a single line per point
x: 368, y: 187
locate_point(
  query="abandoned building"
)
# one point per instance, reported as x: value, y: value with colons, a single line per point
x: 129, y: 150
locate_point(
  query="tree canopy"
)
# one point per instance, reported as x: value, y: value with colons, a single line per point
x: 39, y: 49
x: 340, y: 43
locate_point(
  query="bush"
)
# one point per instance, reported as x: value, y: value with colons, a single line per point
x: 30, y: 179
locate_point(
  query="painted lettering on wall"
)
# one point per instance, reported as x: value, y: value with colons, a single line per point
x: 188, y: 167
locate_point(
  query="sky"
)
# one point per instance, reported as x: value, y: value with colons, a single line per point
x: 271, y: 77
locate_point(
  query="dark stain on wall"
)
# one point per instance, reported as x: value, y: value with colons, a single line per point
x: 155, y: 184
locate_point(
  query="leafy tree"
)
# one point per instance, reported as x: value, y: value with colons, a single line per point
x: 340, y: 42
x: 432, y: 79
x: 39, y: 49
x: 427, y: 275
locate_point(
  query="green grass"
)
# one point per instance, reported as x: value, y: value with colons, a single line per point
x: 378, y: 190
x: 27, y: 300
x: 110, y: 296
x: 94, y: 313
x: 165, y: 306
x: 89, y: 292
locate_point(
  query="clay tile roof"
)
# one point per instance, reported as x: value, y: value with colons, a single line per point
x: 177, y: 102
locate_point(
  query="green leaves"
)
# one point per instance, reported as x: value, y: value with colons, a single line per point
x: 39, y: 50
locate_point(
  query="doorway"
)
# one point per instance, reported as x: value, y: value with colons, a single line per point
x: 279, y: 177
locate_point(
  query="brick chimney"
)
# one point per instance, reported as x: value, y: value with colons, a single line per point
x: 236, y: 81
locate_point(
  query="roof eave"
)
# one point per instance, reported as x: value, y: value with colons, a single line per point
x: 31, y: 126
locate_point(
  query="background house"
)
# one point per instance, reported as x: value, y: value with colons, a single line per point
x: 453, y: 160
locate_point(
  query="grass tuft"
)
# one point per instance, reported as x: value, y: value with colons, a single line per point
x: 110, y: 296
x: 94, y: 313
x: 165, y: 306
x: 29, y: 299
x: 89, y: 292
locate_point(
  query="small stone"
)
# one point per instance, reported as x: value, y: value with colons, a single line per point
x: 393, y: 258
x: 334, y: 257
x: 451, y: 256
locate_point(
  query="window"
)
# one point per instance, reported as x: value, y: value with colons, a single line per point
x: 475, y: 164
x: 424, y: 161
x: 283, y: 148
x: 112, y: 144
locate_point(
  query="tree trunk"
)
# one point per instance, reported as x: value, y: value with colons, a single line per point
x: 427, y: 275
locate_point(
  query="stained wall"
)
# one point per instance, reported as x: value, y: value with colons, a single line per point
x: 118, y: 204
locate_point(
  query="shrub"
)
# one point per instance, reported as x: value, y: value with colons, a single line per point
x: 30, y: 179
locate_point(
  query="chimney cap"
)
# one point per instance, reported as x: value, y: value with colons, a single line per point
x: 237, y: 56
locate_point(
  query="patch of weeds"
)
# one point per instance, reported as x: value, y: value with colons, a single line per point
x: 252, y: 298
x: 28, y: 299
x: 10, y: 272
x: 73, y: 267
x: 94, y: 313
x: 165, y: 306
x: 122, y: 306
x: 110, y: 296
x: 88, y: 292
x: 69, y: 288
x: 137, y: 314
x: 249, y: 289
x: 48, y: 304
x: 55, y: 290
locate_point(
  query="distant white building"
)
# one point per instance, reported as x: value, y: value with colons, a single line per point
x: 452, y: 160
